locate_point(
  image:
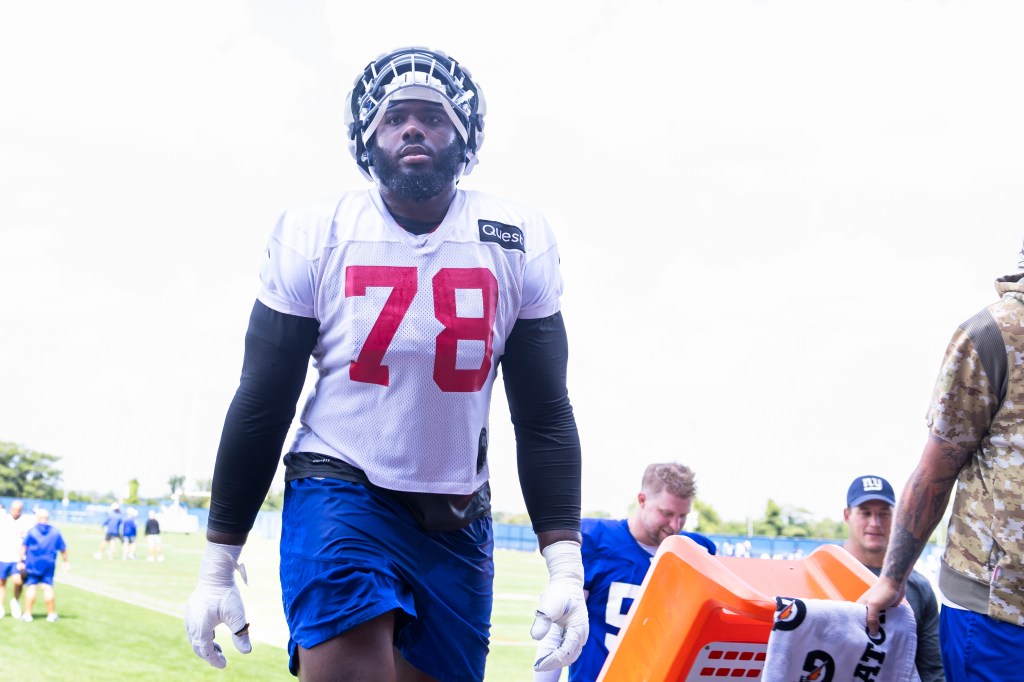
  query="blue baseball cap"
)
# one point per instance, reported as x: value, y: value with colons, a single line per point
x: 867, y: 488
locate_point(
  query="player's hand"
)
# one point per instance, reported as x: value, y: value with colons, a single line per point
x: 216, y: 600
x: 66, y: 566
x: 885, y: 593
x: 562, y: 609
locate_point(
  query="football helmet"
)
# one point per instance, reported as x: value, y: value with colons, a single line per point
x: 414, y: 73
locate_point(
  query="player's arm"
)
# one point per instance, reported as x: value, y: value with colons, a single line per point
x: 919, y: 510
x: 547, y: 442
x: 277, y: 350
x: 548, y: 453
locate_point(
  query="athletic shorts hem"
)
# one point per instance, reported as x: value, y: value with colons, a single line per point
x: 340, y: 628
x: 45, y: 578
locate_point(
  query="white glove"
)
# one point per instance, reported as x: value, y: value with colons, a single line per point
x: 549, y: 643
x: 562, y: 608
x: 216, y: 600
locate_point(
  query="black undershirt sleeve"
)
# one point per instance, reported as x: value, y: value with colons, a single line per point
x: 277, y: 350
x: 547, y: 442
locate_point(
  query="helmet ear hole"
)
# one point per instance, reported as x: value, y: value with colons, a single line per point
x: 435, y: 76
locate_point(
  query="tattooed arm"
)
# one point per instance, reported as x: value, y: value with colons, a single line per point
x: 919, y: 510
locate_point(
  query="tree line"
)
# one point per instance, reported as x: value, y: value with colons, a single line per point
x: 33, y: 475
x: 778, y: 521
x: 30, y: 474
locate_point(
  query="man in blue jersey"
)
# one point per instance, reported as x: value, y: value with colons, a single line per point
x: 42, y: 544
x: 408, y: 295
x: 129, y: 531
x: 617, y: 556
x: 113, y: 523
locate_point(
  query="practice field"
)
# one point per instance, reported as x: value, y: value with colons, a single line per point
x: 122, y: 620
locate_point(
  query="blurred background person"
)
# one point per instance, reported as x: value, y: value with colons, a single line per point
x: 112, y: 524
x: 153, y: 541
x: 129, y: 531
x: 42, y: 544
x: 13, y: 529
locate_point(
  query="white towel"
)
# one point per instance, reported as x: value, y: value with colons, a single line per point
x: 819, y: 640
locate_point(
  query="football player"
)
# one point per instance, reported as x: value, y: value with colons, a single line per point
x: 408, y: 295
x: 618, y: 554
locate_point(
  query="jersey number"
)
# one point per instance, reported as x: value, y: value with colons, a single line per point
x: 369, y: 367
x: 614, y: 615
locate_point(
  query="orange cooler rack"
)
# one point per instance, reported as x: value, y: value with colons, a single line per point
x: 704, y: 617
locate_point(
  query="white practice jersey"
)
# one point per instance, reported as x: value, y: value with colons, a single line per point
x: 12, y: 535
x: 411, y: 328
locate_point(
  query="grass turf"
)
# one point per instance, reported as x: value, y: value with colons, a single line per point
x: 121, y: 620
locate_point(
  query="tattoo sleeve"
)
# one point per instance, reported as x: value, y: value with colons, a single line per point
x: 922, y: 504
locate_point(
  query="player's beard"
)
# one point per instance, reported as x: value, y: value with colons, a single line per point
x: 415, y: 184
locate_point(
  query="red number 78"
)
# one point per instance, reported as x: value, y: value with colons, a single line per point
x: 368, y: 366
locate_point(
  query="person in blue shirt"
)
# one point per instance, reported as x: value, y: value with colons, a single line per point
x: 112, y: 527
x: 617, y: 555
x: 129, y: 531
x: 42, y: 544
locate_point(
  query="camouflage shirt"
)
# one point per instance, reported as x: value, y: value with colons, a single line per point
x: 978, y: 404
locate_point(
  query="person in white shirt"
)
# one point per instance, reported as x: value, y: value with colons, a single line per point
x: 408, y: 296
x: 13, y: 529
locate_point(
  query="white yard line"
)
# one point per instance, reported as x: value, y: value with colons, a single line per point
x: 273, y: 636
x: 270, y: 635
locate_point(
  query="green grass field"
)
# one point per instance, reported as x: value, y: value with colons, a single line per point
x: 121, y: 620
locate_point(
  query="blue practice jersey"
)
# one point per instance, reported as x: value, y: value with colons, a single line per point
x: 42, y: 543
x: 112, y: 524
x: 614, y: 566
x: 129, y: 527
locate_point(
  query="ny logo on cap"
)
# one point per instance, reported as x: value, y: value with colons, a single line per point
x: 871, y: 484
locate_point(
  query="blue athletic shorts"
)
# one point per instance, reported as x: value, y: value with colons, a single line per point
x: 40, y: 573
x: 7, y: 569
x: 978, y: 648
x: 350, y: 554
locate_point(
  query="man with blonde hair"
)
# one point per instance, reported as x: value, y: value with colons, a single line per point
x: 617, y: 555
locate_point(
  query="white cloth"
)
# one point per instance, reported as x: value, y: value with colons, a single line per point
x: 831, y: 637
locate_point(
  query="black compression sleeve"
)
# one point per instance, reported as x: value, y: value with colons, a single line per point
x: 547, y: 442
x: 277, y: 349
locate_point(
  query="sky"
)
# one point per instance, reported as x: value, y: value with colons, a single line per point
x: 771, y: 217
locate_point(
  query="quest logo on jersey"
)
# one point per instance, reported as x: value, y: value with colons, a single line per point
x: 506, y: 236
